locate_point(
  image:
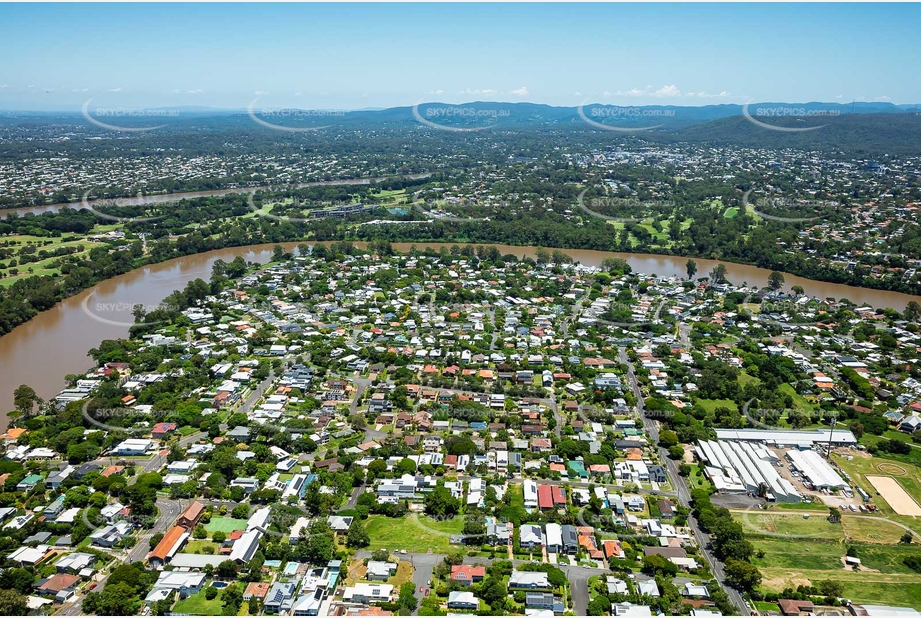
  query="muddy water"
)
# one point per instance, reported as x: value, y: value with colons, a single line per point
x: 54, y: 343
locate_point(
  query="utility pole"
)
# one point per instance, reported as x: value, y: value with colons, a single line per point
x: 830, y: 435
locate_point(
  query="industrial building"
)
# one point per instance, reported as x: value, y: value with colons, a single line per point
x: 743, y: 467
x: 790, y: 437
x: 816, y: 470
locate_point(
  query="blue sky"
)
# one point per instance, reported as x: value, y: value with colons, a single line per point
x: 374, y: 55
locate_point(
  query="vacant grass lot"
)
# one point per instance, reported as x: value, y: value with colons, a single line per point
x: 712, y: 404
x: 198, y: 605
x: 225, y: 524
x: 412, y: 534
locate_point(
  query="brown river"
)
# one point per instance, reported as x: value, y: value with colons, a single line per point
x: 55, y: 343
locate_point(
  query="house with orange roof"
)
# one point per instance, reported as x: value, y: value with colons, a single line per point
x: 612, y: 549
x: 13, y: 433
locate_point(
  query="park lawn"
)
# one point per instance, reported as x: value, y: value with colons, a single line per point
x: 198, y: 605
x: 187, y: 430
x: 731, y: 212
x: 712, y: 404
x: 406, y: 533
x: 196, y: 547
x: 225, y: 524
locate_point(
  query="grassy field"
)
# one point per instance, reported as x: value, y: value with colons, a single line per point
x: 225, y: 524
x: 744, y: 379
x: 198, y: 605
x: 42, y: 267
x: 196, y: 547
x: 796, y: 551
x: 411, y: 534
x: 712, y: 404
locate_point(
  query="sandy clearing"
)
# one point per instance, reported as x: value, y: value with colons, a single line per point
x: 895, y: 495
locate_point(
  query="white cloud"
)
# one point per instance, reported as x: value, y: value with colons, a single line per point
x: 196, y: 91
x: 486, y: 92
x: 706, y: 95
x: 80, y: 90
x: 439, y: 91
x: 297, y: 94
x: 577, y: 94
x: 521, y: 92
x: 119, y: 89
x: 840, y: 96
x: 31, y: 87
x: 668, y: 91
x: 4, y: 86
x: 882, y: 99
x: 176, y: 91
x: 259, y: 93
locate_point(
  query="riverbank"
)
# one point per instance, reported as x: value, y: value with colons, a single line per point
x: 42, y: 351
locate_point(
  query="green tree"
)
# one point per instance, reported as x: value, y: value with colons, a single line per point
x: 691, y: 266
x: 13, y: 603
x: 24, y: 399
x: 742, y: 575
x: 775, y: 280
x: 407, y: 599
x: 231, y: 600
x: 439, y: 502
x: 358, y: 535
x: 227, y: 569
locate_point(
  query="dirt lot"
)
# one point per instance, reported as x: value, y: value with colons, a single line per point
x: 895, y: 495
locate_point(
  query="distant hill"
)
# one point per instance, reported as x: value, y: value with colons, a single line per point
x: 854, y: 128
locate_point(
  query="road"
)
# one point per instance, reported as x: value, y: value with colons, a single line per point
x: 169, y: 510
x: 424, y: 564
x: 683, y: 493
